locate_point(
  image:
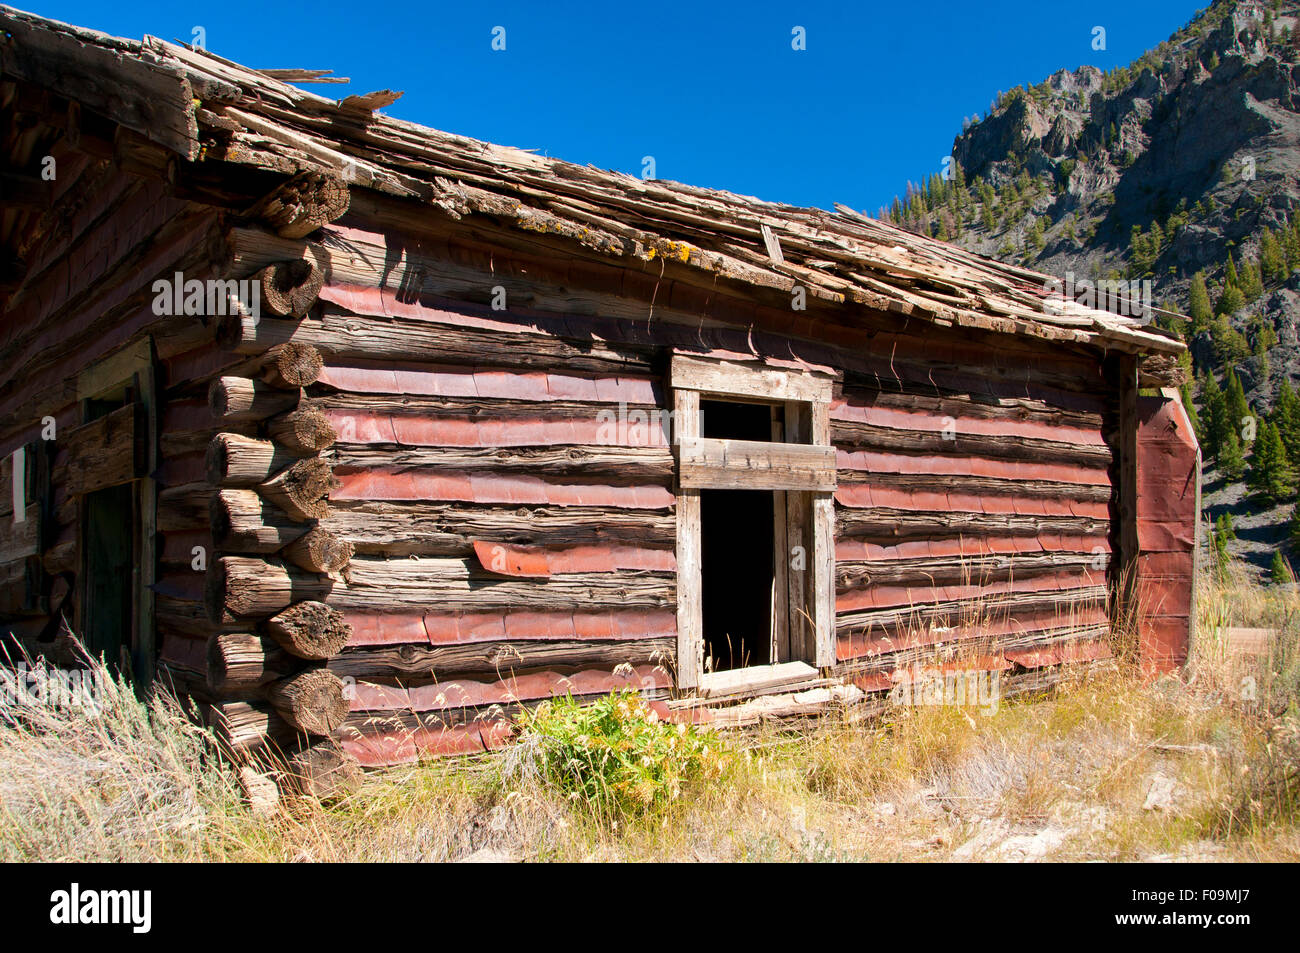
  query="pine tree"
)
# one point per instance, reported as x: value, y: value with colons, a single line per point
x: 1280, y: 572
x: 1199, y: 309
x: 1272, y: 258
x: 1230, y: 345
x: 1222, y: 534
x: 1235, y: 396
x: 1198, y: 428
x: 1232, y: 462
x: 1034, y: 240
x: 1286, y: 418
x: 1251, y: 281
x: 1271, y: 477
x: 1217, y: 427
x: 1262, y: 334
x: 1231, y: 301
x: 1291, y: 248
x: 1291, y: 244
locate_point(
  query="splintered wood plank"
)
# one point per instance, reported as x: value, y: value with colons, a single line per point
x: 21, y: 539
x: 798, y: 543
x: 780, y: 602
x: 103, y: 453
x: 17, y: 481
x: 823, y: 554
x: 152, y: 97
x: 755, y: 678
x: 690, y: 599
x: 238, y: 587
x: 711, y: 463
x: 491, y: 383
x: 720, y: 377
x: 433, y: 486
x: 442, y: 529
x: 1247, y: 641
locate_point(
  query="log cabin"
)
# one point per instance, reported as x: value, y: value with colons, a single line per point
x: 363, y: 435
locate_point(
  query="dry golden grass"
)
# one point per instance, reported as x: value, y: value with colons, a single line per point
x: 1103, y: 767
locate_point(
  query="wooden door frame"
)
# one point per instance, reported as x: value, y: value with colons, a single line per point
x: 799, y: 469
x: 132, y: 366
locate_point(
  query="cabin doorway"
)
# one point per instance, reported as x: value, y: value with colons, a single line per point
x: 736, y: 569
x: 756, y: 474
x: 745, y: 475
x: 737, y: 554
x: 110, y: 461
x: 109, y: 576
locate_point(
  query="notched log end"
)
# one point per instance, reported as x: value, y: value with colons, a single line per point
x: 290, y: 288
x: 294, y: 364
x: 304, y: 203
x: 310, y: 630
x: 324, y: 772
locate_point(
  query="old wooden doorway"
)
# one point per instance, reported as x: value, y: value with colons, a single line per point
x: 109, y: 462
x: 755, y: 558
x: 741, y: 610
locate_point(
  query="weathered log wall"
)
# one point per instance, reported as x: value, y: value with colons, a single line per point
x: 504, y: 544
x: 510, y: 540
x: 85, y: 301
x: 388, y: 514
x: 973, y: 510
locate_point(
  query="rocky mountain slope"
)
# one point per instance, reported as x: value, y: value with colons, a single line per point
x: 1182, y: 169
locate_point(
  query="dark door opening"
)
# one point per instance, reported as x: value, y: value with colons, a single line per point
x: 731, y: 420
x: 111, y: 546
x: 736, y: 549
x: 737, y: 542
x: 107, y: 621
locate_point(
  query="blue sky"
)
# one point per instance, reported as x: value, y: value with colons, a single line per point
x: 714, y: 92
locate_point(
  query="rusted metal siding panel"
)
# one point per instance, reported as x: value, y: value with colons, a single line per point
x: 954, y: 464
x: 448, y: 628
x: 377, y: 484
x: 864, y: 496
x: 541, y: 561
x: 364, y: 427
x: 927, y: 422
x: 1168, y: 484
x: 454, y: 694
x: 375, y: 744
x: 490, y: 383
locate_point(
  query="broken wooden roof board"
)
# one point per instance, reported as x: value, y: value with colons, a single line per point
x: 178, y: 97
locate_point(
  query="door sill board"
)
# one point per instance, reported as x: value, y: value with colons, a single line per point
x: 755, y: 678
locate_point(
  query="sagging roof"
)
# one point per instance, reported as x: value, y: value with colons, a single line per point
x: 199, y: 105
